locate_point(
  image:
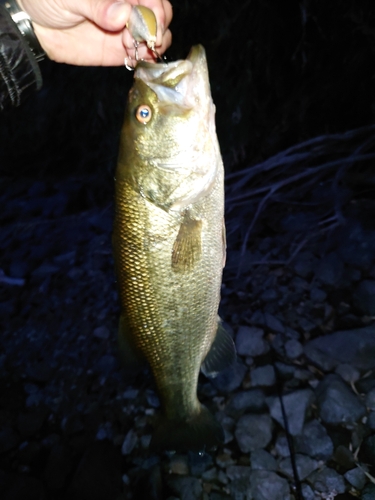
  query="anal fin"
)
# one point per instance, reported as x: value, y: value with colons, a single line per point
x: 221, y: 355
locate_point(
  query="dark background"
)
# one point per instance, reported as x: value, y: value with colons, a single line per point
x: 297, y: 75
x: 281, y: 72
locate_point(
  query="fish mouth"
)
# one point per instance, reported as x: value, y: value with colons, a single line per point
x: 181, y: 83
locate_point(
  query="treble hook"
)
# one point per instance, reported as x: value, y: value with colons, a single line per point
x: 151, y: 45
x: 127, y: 66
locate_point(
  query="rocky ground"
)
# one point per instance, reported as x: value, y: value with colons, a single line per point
x: 298, y: 408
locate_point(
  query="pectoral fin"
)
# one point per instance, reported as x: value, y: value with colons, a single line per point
x: 187, y: 248
x: 221, y: 355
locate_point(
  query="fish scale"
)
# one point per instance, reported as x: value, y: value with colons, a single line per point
x: 169, y: 310
x: 169, y: 244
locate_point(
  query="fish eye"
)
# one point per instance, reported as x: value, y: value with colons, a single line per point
x: 143, y: 113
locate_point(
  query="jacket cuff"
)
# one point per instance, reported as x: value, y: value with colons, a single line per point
x: 19, y: 72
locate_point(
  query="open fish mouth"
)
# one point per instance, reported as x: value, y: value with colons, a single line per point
x: 182, y: 83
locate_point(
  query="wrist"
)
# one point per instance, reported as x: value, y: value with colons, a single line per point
x: 25, y: 27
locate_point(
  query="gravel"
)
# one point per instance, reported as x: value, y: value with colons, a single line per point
x: 75, y: 425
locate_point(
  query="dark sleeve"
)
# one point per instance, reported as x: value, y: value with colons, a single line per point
x: 19, y: 72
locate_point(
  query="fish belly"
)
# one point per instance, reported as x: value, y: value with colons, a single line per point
x: 169, y: 314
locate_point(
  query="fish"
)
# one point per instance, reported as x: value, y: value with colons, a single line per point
x: 169, y: 243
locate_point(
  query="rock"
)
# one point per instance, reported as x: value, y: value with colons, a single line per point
x: 130, y: 393
x: 269, y: 295
x: 263, y: 376
x: 208, y: 390
x: 330, y: 269
x: 282, y: 446
x: 305, y: 324
x: 210, y: 475
x: 224, y: 460
x: 314, y: 441
x: 246, y: 401
x: 45, y: 269
x: 337, y: 402
x: 304, y: 375
x: 295, y: 404
x: 187, y: 488
x: 278, y: 344
x: 268, y: 321
x: 364, y: 297
x: 365, y: 385
x: 356, y: 477
x: 178, y: 464
x: 199, y: 463
x: 371, y: 420
x: 129, y: 443
x: 327, y: 481
x: 368, y: 448
x: 317, y: 295
x: 145, y: 441
x: 368, y: 492
x: 250, y: 341
x: 353, y: 347
x: 284, y: 371
x: 293, y: 349
x: 262, y: 460
x: 370, y: 400
x: 239, y: 486
x: 101, y: 332
x: 348, y: 373
x: 152, y: 398
x: 267, y: 484
x: 344, y: 457
x: 238, y: 472
x: 357, y: 246
x: 25, y: 488
x: 307, y: 492
x: 253, y: 432
x: 106, y: 364
x: 230, y: 378
x: 304, y: 464
x: 227, y: 424
x: 216, y: 495
x: 304, y: 263
x: 98, y: 475
x: 273, y: 323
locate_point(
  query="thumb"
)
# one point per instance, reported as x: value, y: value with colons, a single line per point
x: 111, y: 15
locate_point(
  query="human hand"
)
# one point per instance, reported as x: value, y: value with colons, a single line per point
x: 93, y: 32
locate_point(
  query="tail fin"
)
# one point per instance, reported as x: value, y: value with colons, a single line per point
x: 195, y: 434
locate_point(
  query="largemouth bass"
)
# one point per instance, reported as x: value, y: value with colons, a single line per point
x: 169, y: 242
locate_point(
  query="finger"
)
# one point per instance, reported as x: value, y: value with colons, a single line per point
x: 111, y: 15
x: 162, y: 28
